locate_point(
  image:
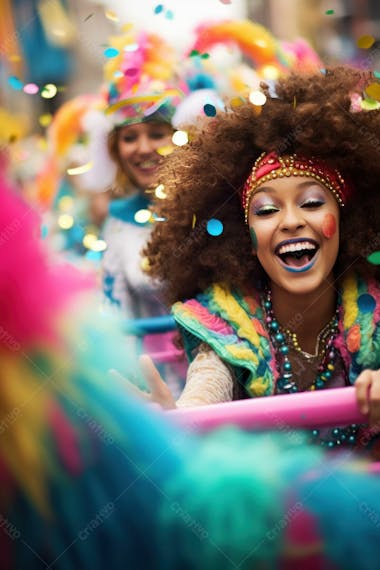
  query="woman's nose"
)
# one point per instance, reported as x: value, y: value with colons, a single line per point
x: 292, y: 219
x: 144, y: 145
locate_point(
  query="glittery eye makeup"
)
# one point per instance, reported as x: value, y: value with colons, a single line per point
x: 263, y: 207
x: 313, y: 197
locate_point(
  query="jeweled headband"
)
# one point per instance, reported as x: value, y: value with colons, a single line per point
x: 270, y: 166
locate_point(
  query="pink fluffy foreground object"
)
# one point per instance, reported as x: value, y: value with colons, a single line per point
x: 31, y: 289
x: 324, y: 408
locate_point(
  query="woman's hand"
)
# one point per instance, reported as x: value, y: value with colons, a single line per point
x: 367, y: 387
x: 159, y: 391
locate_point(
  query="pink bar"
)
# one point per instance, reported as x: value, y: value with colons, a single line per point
x: 324, y: 408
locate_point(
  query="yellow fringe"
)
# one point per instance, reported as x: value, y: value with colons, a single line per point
x: 349, y: 299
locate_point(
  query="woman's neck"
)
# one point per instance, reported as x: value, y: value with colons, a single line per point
x: 306, y: 315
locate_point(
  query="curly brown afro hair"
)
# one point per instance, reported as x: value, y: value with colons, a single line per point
x: 311, y: 115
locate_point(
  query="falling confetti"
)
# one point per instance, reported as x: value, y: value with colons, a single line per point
x: 15, y: 83
x: 194, y: 220
x: 329, y: 12
x: 169, y: 15
x: 160, y: 192
x: 145, y: 265
x: 257, y: 98
x: 131, y: 71
x: 373, y: 91
x: 49, y: 91
x: 165, y: 150
x: 366, y: 303
x: 79, y: 169
x: 89, y: 240
x: 31, y: 88
x: 131, y: 47
x: 209, y: 110
x: 45, y: 120
x: 225, y: 1
x: 110, y: 15
x: 142, y: 216
x: 180, y: 138
x: 194, y: 53
x: 374, y: 258
x: 365, y: 42
x: 158, y: 9
x: 214, y: 227
x: 88, y: 17
x: 65, y: 221
x: 111, y: 52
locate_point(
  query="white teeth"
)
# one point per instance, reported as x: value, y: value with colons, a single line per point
x: 287, y: 248
x: 148, y: 164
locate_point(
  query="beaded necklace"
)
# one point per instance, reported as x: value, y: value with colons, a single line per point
x: 286, y: 384
x: 278, y: 336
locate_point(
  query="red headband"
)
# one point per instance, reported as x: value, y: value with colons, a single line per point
x: 270, y: 166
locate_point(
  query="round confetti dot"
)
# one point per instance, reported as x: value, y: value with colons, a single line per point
x: 131, y: 47
x: 165, y: 150
x: 45, y: 120
x: 145, y: 265
x: 160, y: 192
x: 180, y: 138
x: 65, y: 221
x: 257, y: 98
x: 236, y: 101
x: 31, y: 88
x: 92, y: 255
x: 99, y: 245
x: 131, y: 71
x: 169, y: 15
x: 49, y: 91
x: 329, y: 12
x: 214, y: 227
x: 158, y: 9
x: 142, y: 216
x: 209, y: 110
x: 89, y: 240
x: 374, y: 258
x: 366, y: 303
x: 65, y: 203
x: 373, y: 91
x: 369, y: 104
x: 111, y: 52
x: 365, y: 42
x: 205, y: 55
x: 15, y: 83
x: 194, y: 53
x: 110, y: 15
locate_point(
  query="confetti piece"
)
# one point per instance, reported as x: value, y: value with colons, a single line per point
x: 131, y: 71
x: 111, y: 52
x: 373, y: 91
x: 89, y: 240
x: 374, y: 258
x: 127, y: 27
x: 31, y: 88
x: 49, y: 91
x: 165, y: 150
x: 110, y: 15
x: 160, y: 192
x: 145, y: 265
x: 45, y: 120
x: 158, y: 9
x: 131, y: 47
x: 44, y: 231
x: 65, y: 221
x: 169, y: 15
x: 369, y: 104
x: 205, y: 55
x: 214, y: 227
x: 257, y: 98
x: 142, y: 216
x: 294, y: 102
x: 99, y: 245
x: 194, y: 53
x: 237, y: 102
x: 366, y: 303
x: 15, y: 57
x: 376, y: 74
x: 209, y: 110
x: 193, y: 221
x: 180, y: 138
x: 80, y: 169
x: 225, y: 1
x: 365, y: 42
x: 15, y: 83
x: 329, y: 12
x: 88, y: 17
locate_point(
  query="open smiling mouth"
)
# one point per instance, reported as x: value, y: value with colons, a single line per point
x: 297, y: 255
